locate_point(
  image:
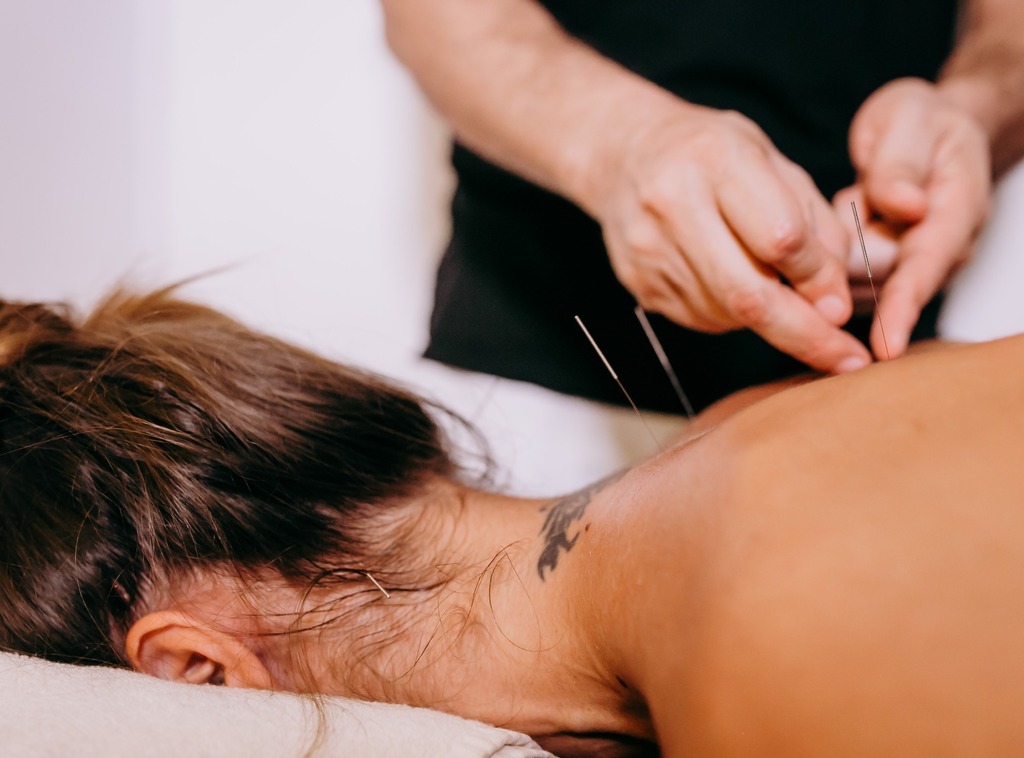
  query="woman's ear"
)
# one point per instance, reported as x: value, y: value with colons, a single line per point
x: 172, y: 645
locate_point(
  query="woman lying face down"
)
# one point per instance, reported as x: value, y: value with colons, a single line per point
x: 836, y: 569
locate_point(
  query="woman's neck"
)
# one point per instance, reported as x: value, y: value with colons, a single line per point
x: 501, y: 641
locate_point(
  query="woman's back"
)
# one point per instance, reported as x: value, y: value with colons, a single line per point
x: 836, y: 570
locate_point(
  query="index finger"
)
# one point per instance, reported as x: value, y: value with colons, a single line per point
x: 789, y: 323
x: 779, y: 217
x: 753, y: 297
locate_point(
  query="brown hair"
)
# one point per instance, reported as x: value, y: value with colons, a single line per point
x: 158, y: 436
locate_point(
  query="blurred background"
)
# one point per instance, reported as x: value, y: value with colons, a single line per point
x: 157, y: 139
x: 145, y: 141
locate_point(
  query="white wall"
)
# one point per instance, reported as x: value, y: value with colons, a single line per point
x: 986, y: 300
x: 294, y: 153
x: 160, y: 140
x: 66, y: 130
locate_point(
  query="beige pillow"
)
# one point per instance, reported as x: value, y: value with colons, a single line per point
x: 50, y: 709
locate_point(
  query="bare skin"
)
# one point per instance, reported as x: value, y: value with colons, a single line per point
x: 855, y: 583
x: 833, y: 570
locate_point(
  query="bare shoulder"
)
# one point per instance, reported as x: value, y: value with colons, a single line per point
x: 796, y: 577
x: 870, y: 524
x: 565, y: 520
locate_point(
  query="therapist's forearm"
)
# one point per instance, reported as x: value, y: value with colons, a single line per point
x: 985, y: 75
x: 517, y: 89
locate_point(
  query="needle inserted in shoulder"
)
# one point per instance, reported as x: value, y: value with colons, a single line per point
x: 663, y: 359
x: 615, y: 376
x: 871, y: 280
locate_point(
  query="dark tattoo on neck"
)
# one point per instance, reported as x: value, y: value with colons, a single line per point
x: 561, y: 516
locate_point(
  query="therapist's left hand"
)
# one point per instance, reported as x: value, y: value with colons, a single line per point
x: 922, y: 192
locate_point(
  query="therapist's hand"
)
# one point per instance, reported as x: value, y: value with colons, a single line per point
x: 705, y: 222
x: 923, y: 187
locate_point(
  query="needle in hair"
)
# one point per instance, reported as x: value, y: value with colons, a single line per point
x: 377, y: 584
x: 663, y: 359
x: 871, y: 281
x: 615, y: 376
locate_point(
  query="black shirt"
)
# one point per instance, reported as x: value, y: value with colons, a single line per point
x: 522, y: 261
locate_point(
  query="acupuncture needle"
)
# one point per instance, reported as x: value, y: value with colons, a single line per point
x: 871, y: 281
x: 663, y: 359
x: 615, y: 376
x: 377, y: 584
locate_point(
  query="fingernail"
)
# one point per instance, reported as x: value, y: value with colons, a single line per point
x: 853, y: 363
x: 833, y: 309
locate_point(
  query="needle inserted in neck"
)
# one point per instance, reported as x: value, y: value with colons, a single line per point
x: 871, y: 280
x: 377, y: 584
x: 615, y: 376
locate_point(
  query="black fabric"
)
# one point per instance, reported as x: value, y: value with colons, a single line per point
x: 522, y: 261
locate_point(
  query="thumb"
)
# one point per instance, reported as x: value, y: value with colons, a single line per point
x: 896, y: 177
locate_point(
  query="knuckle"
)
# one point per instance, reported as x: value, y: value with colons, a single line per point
x: 738, y: 121
x: 642, y: 282
x: 672, y: 308
x: 695, y: 315
x: 748, y: 304
x: 654, y: 192
x: 663, y: 188
x: 714, y: 321
x: 708, y: 145
x: 640, y: 238
x: 785, y: 238
x: 645, y: 290
x: 798, y: 174
x: 655, y: 302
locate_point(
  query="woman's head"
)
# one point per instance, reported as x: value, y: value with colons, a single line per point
x: 159, y: 439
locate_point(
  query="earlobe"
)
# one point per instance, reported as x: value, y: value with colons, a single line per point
x: 173, y: 645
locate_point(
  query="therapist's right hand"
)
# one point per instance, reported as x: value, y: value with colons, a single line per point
x: 706, y: 221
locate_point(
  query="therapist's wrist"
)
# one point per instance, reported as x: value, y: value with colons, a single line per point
x: 991, y: 95
x: 977, y: 97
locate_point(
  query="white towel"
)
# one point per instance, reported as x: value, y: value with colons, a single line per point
x: 49, y: 709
